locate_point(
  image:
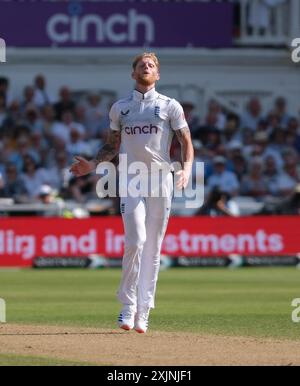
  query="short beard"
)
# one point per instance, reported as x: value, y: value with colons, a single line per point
x: 146, y: 81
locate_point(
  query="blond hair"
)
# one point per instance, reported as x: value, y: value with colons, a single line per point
x: 150, y: 55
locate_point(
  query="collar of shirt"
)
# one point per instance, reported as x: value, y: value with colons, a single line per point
x: 148, y: 96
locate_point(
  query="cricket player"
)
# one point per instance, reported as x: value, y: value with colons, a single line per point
x: 142, y: 127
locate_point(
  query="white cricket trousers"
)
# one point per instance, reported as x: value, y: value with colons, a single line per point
x: 145, y: 221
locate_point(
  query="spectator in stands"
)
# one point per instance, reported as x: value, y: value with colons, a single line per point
x: 219, y: 203
x: 289, y: 177
x: 3, y: 110
x: 291, y: 205
x: 65, y: 103
x: 59, y: 172
x: 13, y: 186
x: 49, y: 125
x: 234, y: 148
x: 28, y: 99
x: 82, y: 189
x: 15, y: 154
x: 200, y: 155
x: 32, y: 120
x: 63, y: 131
x: 232, y: 129
x: 292, y: 169
x: 239, y: 166
x: 14, y: 115
x: 79, y: 116
x: 58, y: 146
x: 39, y: 148
x: 280, y: 109
x: 252, y: 115
x: 4, y: 89
x: 215, y: 110
x: 261, y: 148
x: 253, y: 183
x: 190, y: 116
x: 95, y: 113
x: 278, y: 140
x: 76, y: 145
x: 291, y: 173
x: 33, y: 177
x: 272, y: 122
x: 212, y: 140
x: 293, y: 135
x: 42, y: 96
x: 223, y: 179
x: 248, y: 142
x: 271, y: 175
x: 236, y: 161
x: 46, y: 195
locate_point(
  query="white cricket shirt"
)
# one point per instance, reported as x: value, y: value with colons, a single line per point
x: 147, y: 123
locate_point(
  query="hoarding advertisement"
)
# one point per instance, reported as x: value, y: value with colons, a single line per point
x: 22, y: 240
x: 126, y: 24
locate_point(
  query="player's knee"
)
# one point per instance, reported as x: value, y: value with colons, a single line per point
x: 136, y: 241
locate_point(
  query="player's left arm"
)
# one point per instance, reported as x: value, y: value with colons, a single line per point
x: 187, y: 156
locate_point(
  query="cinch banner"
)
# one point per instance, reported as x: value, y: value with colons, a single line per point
x: 21, y: 239
x: 116, y: 24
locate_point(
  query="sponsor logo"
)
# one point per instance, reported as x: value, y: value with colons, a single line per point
x: 147, y: 129
x: 12, y: 244
x: 2, y: 51
x: 206, y: 244
x: 157, y: 111
x: 117, y: 28
x: 125, y: 112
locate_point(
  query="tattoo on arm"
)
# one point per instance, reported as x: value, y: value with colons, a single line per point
x: 182, y: 134
x: 185, y: 140
x: 110, y: 149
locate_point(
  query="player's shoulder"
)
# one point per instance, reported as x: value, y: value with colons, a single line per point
x: 170, y: 102
x: 168, y: 99
x: 163, y: 97
x: 118, y: 105
x: 122, y: 101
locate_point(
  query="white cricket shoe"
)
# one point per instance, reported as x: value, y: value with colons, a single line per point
x: 126, y: 318
x: 141, y: 321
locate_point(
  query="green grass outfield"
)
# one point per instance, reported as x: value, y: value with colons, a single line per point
x: 247, y: 302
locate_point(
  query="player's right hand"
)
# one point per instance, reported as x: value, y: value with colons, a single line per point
x: 82, y: 167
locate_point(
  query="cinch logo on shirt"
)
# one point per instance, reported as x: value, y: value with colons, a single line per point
x: 132, y: 130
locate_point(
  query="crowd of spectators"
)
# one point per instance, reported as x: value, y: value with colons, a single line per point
x: 39, y: 137
x: 255, y: 154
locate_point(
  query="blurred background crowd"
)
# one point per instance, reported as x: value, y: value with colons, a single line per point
x: 254, y: 155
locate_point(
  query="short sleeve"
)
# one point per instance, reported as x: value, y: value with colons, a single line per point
x: 114, y: 118
x: 177, y: 118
